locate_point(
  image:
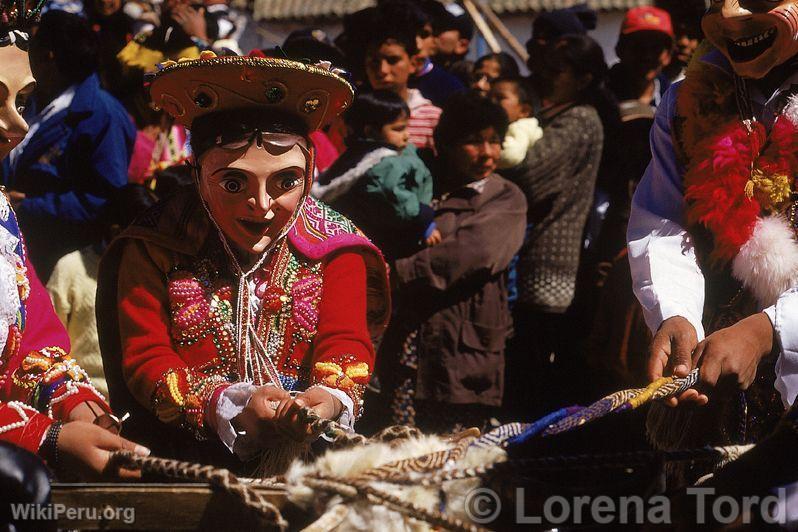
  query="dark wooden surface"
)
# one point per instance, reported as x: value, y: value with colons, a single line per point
x: 156, y: 507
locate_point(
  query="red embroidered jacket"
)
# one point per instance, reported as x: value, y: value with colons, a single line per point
x: 323, y: 295
x: 39, y: 382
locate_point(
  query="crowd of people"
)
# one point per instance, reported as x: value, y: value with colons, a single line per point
x: 374, y: 227
x: 498, y: 200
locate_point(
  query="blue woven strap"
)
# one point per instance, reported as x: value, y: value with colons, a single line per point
x: 533, y: 429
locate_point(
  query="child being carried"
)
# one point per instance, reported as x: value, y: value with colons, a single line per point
x: 379, y: 182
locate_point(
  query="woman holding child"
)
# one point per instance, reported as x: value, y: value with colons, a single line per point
x: 447, y: 338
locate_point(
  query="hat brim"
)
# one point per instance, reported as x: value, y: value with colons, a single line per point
x: 189, y: 89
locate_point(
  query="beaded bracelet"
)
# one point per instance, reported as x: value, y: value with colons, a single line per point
x: 49, y: 448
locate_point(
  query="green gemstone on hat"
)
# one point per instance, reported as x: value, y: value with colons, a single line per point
x: 274, y: 94
x: 203, y: 100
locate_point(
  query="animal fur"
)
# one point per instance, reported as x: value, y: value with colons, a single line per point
x: 363, y: 515
x: 767, y: 264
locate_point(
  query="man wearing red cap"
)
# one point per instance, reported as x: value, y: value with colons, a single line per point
x: 644, y: 49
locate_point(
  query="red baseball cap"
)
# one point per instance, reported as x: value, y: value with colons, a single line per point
x: 647, y: 19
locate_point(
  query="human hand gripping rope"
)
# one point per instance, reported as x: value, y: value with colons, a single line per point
x: 436, y: 469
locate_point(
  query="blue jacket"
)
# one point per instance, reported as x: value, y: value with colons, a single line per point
x: 76, y: 159
x: 68, y: 170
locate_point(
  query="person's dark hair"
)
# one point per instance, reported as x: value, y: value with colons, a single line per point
x: 128, y: 203
x: 172, y: 180
x: 686, y: 15
x: 585, y: 58
x: 206, y: 129
x: 399, y: 21
x: 466, y: 113
x: 463, y: 70
x: 460, y: 23
x: 650, y: 41
x: 72, y: 42
x: 522, y: 88
x: 409, y: 13
x: 313, y: 45
x: 508, y: 67
x: 576, y: 20
x: 375, y: 110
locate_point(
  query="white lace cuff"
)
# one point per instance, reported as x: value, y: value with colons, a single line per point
x: 230, y: 403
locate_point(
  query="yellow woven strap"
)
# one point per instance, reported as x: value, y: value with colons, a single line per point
x: 646, y: 395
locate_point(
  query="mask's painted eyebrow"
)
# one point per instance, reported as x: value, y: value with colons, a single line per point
x: 27, y: 88
x: 228, y: 169
x: 287, y: 170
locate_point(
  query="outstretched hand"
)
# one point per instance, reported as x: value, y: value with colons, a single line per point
x: 85, y: 450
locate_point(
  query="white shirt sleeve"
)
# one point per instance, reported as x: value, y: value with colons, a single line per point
x: 666, y: 277
x: 229, y: 404
x: 235, y: 398
x: 347, y: 417
x: 784, y: 317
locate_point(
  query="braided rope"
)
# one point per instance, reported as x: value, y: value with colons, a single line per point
x: 414, y: 511
x: 221, y: 478
x: 677, y: 386
x: 623, y: 400
x: 499, y: 435
x: 541, y: 424
x: 400, y: 471
x: 597, y: 410
x: 353, y: 488
x: 648, y: 393
x: 428, y: 466
x: 720, y: 455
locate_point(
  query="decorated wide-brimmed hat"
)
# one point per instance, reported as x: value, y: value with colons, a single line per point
x: 191, y: 88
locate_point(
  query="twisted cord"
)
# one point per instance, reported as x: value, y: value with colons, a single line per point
x: 342, y: 437
x: 533, y: 429
x: 616, y: 460
x: 361, y: 488
x: 221, y: 478
x: 499, y: 435
x: 720, y: 455
x: 339, y: 435
x: 428, y: 463
x: 648, y: 393
x: 623, y: 400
